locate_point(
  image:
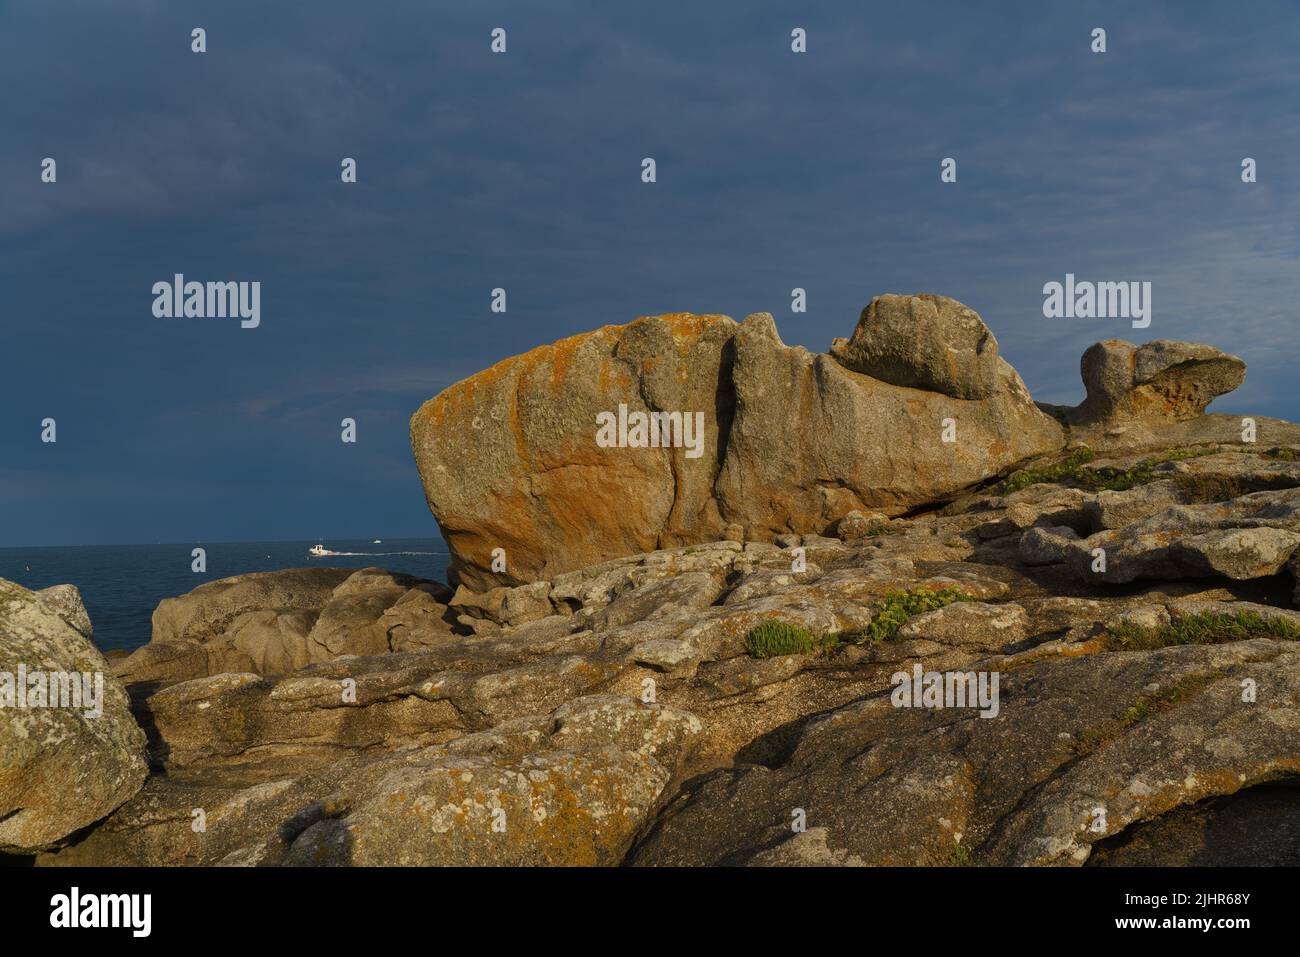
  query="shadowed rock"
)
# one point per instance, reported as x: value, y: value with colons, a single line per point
x: 1081, y: 749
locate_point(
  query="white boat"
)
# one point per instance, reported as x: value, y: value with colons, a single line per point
x: 376, y: 542
x: 317, y: 550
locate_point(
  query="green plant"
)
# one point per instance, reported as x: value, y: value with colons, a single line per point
x: 960, y: 857
x: 774, y: 637
x: 1284, y: 454
x: 1069, y: 470
x: 1205, y: 628
x: 892, y: 612
x: 1074, y: 470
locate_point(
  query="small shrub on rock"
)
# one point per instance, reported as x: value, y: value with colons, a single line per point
x: 772, y: 638
x: 892, y: 612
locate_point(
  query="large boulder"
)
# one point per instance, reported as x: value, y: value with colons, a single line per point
x: 70, y: 752
x: 925, y: 342
x: 515, y: 469
x: 211, y: 608
x: 510, y: 458
x: 812, y: 441
x: 1159, y: 383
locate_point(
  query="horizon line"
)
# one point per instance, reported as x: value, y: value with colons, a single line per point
x: 245, y: 541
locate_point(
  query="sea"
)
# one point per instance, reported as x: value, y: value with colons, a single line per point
x: 122, y: 584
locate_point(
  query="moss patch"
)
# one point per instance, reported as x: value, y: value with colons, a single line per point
x: 1074, y: 470
x: 1069, y: 472
x: 1146, y: 707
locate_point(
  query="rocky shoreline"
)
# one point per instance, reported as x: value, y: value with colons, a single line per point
x: 646, y: 658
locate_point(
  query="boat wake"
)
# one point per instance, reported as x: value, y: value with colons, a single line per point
x: 326, y: 553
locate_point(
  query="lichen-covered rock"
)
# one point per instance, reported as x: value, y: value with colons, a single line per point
x: 66, y: 601
x: 70, y: 752
x: 210, y: 608
x: 789, y: 442
x: 972, y: 624
x: 505, y: 606
x: 572, y: 787
x: 1160, y: 382
x: 1252, y: 536
x: 577, y: 796
x: 1049, y: 545
x: 1082, y: 748
x: 510, y: 458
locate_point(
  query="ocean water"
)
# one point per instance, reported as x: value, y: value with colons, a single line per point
x: 122, y: 584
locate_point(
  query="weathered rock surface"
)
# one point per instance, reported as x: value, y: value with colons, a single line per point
x: 924, y: 342
x: 1139, y: 388
x: 567, y: 788
x: 1082, y: 748
x: 792, y: 441
x: 1256, y: 827
x: 277, y: 622
x: 65, y: 762
x: 598, y: 702
x: 67, y: 604
x: 1253, y: 536
x: 812, y: 441
x: 302, y: 767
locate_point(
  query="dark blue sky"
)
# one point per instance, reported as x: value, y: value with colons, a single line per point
x: 522, y: 170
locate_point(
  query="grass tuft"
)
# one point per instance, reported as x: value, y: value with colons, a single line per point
x: 772, y: 638
x: 1206, y: 628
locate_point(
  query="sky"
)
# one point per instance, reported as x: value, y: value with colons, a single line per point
x: 522, y: 170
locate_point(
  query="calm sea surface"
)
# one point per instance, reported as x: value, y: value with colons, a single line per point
x: 122, y: 584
